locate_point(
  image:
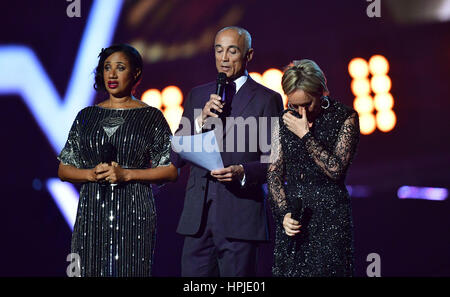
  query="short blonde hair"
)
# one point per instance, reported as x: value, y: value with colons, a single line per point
x: 305, y: 75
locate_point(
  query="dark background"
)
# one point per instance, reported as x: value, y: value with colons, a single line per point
x: 411, y: 236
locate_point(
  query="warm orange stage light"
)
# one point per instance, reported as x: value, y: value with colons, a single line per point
x: 380, y: 85
x: 358, y: 68
x: 169, y: 101
x: 153, y: 98
x: 386, y: 120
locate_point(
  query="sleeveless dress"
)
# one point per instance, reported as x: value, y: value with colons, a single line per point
x: 114, y: 232
x: 306, y: 177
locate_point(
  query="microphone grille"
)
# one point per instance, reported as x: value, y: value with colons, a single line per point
x: 221, y: 78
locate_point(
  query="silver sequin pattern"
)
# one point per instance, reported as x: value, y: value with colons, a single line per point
x: 114, y: 231
x: 313, y: 169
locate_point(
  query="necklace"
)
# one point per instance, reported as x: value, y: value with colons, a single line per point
x: 111, y: 123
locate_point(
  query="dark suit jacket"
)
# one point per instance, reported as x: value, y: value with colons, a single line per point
x: 242, y: 212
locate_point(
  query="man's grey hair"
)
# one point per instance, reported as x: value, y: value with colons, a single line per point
x: 241, y: 32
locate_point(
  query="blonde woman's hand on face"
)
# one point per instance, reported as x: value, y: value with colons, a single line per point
x: 298, y: 126
x: 291, y: 226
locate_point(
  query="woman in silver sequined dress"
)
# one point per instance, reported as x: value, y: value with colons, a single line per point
x: 313, y: 146
x: 114, y: 232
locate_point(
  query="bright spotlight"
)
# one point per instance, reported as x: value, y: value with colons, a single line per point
x: 380, y: 84
x: 378, y: 65
x: 363, y: 104
x: 153, y: 98
x: 386, y: 120
x: 256, y: 77
x: 360, y: 87
x: 383, y: 101
x: 367, y: 123
x: 285, y: 99
x: 358, y: 68
x: 173, y: 116
x: 272, y: 79
x: 171, y: 96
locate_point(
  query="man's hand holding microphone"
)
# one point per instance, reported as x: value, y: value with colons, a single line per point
x: 213, y: 108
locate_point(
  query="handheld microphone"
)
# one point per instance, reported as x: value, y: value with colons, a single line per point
x: 108, y: 154
x: 220, y: 87
x: 296, y: 212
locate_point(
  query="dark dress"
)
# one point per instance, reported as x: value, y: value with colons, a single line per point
x: 306, y: 177
x: 114, y: 232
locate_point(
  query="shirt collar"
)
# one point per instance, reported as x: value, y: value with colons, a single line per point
x: 240, y: 81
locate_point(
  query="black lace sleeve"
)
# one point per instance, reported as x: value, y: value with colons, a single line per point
x: 335, y: 163
x: 275, y: 177
x: 70, y: 154
x: 160, y: 146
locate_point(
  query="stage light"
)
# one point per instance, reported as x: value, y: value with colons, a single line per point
x: 380, y: 84
x: 367, y: 123
x: 363, y: 104
x: 256, y: 77
x: 169, y: 101
x: 173, y: 117
x: 153, y: 98
x: 171, y: 96
x: 272, y: 79
x: 22, y: 73
x: 66, y: 198
x: 386, y: 120
x: 358, y: 191
x: 427, y: 193
x: 378, y: 65
x: 285, y: 99
x: 358, y: 68
x: 360, y: 87
x: 383, y: 101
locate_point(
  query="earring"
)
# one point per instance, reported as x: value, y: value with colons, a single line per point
x: 326, y: 100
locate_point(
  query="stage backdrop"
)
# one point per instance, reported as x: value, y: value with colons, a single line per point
x: 399, y: 179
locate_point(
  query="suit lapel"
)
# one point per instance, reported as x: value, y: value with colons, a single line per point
x: 242, y: 99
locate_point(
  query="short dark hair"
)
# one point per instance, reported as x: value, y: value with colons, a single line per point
x: 133, y: 56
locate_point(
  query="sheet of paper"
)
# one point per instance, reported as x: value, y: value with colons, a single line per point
x: 200, y: 149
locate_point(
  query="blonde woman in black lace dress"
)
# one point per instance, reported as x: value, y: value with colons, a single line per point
x: 313, y: 146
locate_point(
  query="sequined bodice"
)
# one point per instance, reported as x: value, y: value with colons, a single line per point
x: 135, y: 133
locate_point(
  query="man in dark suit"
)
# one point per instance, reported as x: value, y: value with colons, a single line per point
x: 224, y: 214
